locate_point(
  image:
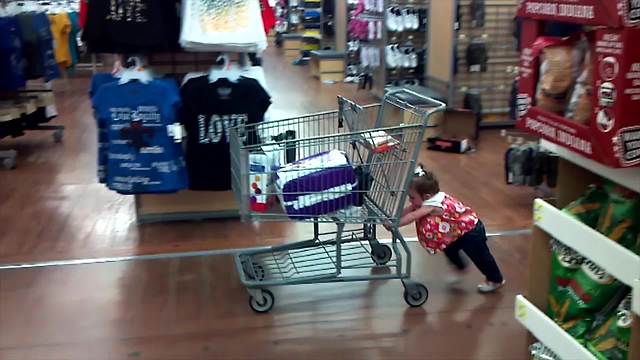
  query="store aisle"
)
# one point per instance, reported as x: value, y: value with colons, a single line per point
x: 57, y: 210
x: 197, y: 309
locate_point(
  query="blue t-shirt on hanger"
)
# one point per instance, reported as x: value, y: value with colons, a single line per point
x: 142, y: 158
x: 11, y: 61
x: 103, y: 132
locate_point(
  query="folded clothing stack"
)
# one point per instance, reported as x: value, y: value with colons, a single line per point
x: 317, y: 185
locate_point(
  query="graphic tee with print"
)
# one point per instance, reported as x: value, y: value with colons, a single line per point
x: 142, y: 157
x: 208, y: 111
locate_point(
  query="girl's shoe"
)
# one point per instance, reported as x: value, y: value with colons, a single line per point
x: 488, y: 287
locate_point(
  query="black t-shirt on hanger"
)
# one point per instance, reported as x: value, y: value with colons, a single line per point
x: 208, y: 111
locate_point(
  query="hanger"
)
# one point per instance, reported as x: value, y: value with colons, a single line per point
x: 136, y: 72
x: 229, y: 70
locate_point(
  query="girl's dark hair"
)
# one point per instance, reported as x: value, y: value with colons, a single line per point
x: 425, y: 182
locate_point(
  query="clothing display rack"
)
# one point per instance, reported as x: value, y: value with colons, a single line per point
x: 479, y: 31
x: 186, y: 205
x: 28, y: 104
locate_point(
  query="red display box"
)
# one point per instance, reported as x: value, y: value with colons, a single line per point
x: 612, y: 136
x: 610, y: 13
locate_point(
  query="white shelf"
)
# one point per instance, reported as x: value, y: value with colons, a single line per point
x: 548, y: 332
x: 629, y: 177
x: 621, y: 263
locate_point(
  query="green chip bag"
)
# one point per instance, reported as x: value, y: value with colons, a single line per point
x: 564, y: 263
x: 588, y: 207
x: 610, y: 340
x: 619, y: 218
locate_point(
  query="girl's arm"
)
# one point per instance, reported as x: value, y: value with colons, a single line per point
x: 408, y: 209
x: 412, y: 216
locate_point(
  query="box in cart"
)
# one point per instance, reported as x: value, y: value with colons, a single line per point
x: 611, y: 13
x: 455, y: 133
x: 612, y: 135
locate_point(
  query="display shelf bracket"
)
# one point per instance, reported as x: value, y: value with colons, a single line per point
x: 548, y: 332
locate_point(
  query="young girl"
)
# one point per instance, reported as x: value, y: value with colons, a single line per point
x: 444, y: 223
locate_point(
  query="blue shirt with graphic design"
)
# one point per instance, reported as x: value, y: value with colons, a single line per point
x: 142, y: 158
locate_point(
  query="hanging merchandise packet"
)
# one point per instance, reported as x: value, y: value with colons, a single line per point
x: 209, y: 110
x: 143, y: 158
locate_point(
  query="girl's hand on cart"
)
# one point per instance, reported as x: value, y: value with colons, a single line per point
x: 387, y: 226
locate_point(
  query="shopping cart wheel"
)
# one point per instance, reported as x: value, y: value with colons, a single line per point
x: 381, y: 254
x: 263, y: 305
x: 416, y: 295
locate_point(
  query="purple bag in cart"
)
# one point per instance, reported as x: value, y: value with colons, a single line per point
x: 317, y: 185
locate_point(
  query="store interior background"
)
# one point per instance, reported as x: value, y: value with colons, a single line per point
x: 52, y: 209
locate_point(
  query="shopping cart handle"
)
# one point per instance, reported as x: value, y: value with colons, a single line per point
x: 431, y: 102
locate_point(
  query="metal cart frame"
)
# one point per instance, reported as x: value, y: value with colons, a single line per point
x: 352, y: 252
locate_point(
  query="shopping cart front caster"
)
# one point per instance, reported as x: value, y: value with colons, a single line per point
x: 264, y: 304
x: 381, y: 254
x: 416, y: 294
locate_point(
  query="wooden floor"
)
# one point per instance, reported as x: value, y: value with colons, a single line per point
x: 51, y: 208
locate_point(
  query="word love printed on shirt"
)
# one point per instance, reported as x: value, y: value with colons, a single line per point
x: 212, y: 130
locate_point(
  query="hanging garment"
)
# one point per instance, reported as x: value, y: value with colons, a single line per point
x: 477, y: 57
x: 61, y: 29
x: 477, y: 13
x: 208, y: 111
x: 73, y: 37
x: 37, y: 46
x: 268, y: 16
x: 142, y: 158
x: 12, y: 64
x: 131, y: 26
x: 103, y: 131
x: 219, y: 25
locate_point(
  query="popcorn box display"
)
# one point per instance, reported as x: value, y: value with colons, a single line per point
x: 611, y: 13
x: 610, y: 133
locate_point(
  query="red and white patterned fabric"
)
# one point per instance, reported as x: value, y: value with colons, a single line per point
x: 437, y: 232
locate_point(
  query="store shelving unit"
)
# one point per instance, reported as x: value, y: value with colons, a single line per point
x: 451, y: 33
x: 384, y: 77
x: 575, y: 173
x: 548, y: 332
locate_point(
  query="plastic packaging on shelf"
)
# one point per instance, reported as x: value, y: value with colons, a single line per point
x: 610, y: 340
x: 540, y: 352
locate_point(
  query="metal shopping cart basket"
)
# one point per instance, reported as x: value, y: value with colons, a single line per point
x: 351, y: 167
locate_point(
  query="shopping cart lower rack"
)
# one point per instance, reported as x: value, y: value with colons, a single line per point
x: 351, y: 167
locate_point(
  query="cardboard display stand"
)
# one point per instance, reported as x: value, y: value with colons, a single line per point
x: 610, y: 13
x: 612, y: 135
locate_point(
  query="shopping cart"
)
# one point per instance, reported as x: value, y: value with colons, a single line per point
x: 375, y: 148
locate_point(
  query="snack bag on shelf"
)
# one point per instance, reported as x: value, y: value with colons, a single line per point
x: 560, y: 64
x: 580, y: 107
x: 610, y: 340
x: 564, y: 263
x: 619, y: 219
x: 588, y: 208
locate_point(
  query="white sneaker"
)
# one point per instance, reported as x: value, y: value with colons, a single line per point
x: 406, y: 58
x: 413, y: 59
x: 407, y: 18
x: 399, y: 20
x: 390, y: 19
x: 390, y: 57
x: 415, y: 17
x: 453, y: 279
x: 488, y: 287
